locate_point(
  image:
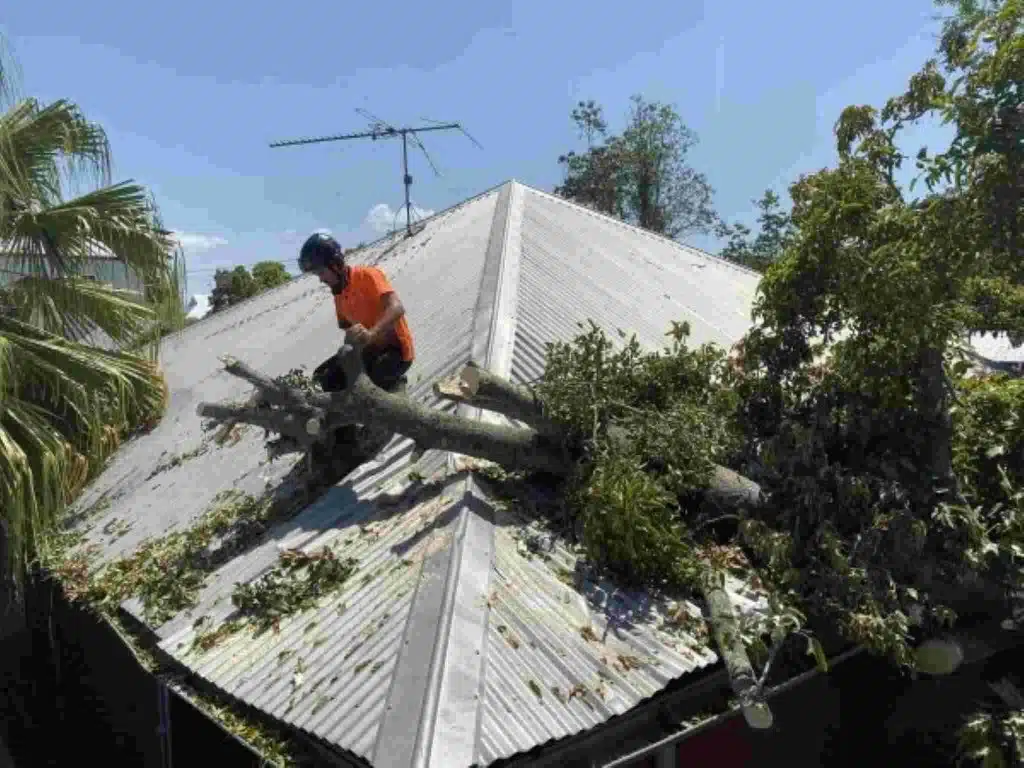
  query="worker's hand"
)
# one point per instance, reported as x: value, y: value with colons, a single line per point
x: 359, y: 335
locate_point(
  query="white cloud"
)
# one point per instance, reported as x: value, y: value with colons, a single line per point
x: 383, y: 218
x: 197, y: 243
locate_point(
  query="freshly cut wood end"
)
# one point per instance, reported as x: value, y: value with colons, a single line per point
x: 758, y: 715
x: 450, y: 388
x: 939, y: 656
x: 469, y: 376
x: 456, y: 387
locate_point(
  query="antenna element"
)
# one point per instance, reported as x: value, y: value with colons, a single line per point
x: 383, y: 130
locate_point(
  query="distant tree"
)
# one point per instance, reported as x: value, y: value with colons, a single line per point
x: 231, y: 286
x: 640, y: 176
x: 269, y: 274
x: 760, y: 251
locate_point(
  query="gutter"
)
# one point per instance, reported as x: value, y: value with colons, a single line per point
x: 680, y: 736
x: 641, y: 717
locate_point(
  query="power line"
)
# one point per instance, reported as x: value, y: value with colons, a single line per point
x: 247, y: 264
x: 383, y: 130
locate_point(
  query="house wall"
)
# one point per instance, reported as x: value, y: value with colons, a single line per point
x: 102, y: 269
x: 69, y: 688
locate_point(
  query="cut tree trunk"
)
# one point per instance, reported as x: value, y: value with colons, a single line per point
x: 725, y: 629
x: 308, y: 419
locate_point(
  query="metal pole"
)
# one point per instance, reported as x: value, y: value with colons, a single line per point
x: 408, y: 182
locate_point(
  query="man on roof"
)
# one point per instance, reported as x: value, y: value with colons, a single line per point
x: 366, y: 304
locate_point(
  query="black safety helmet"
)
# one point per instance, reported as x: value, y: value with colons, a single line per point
x: 319, y: 252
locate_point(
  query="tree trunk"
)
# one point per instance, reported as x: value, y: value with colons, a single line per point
x: 933, y: 402
x: 725, y: 628
x: 308, y: 419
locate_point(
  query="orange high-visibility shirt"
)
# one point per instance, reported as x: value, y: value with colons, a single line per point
x: 362, y: 303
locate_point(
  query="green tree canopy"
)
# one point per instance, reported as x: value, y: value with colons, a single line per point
x: 238, y: 284
x: 641, y: 175
x: 892, y: 481
x: 760, y: 251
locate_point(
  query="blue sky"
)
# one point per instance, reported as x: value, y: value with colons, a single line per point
x: 192, y: 92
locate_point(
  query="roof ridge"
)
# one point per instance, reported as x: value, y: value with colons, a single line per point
x: 457, y: 673
x: 636, y: 229
x: 445, y: 731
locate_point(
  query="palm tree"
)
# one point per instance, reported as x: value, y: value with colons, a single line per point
x: 75, y: 373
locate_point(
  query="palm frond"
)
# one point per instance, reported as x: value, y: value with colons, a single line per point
x: 42, y: 146
x: 77, y: 309
x: 36, y: 477
x: 114, y: 221
x: 62, y: 371
x: 64, y: 407
x: 10, y: 75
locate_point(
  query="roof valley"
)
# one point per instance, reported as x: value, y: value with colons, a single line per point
x: 441, y: 665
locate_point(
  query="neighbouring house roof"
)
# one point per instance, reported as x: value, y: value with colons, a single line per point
x: 995, y: 352
x: 102, y: 266
x: 459, y: 639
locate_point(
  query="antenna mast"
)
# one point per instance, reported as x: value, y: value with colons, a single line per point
x: 382, y: 130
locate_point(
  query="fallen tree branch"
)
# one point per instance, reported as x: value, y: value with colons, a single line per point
x: 725, y: 629
x: 309, y: 418
x: 271, y: 391
x: 303, y: 416
x: 474, y: 386
x: 729, y: 490
x: 284, y: 423
x: 477, y: 387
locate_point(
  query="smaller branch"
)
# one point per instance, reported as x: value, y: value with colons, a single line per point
x: 269, y: 390
x: 226, y: 426
x: 763, y: 679
x: 295, y: 426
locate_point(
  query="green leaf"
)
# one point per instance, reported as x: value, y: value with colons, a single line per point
x: 815, y: 649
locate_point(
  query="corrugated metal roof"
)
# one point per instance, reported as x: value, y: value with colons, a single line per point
x: 565, y: 652
x: 996, y: 348
x: 455, y: 635
x: 621, y: 278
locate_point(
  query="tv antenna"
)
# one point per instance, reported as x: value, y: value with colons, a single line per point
x: 380, y: 129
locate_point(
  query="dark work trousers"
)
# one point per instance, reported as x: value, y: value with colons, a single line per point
x: 385, y: 368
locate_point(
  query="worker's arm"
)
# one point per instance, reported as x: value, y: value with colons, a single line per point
x: 393, y: 310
